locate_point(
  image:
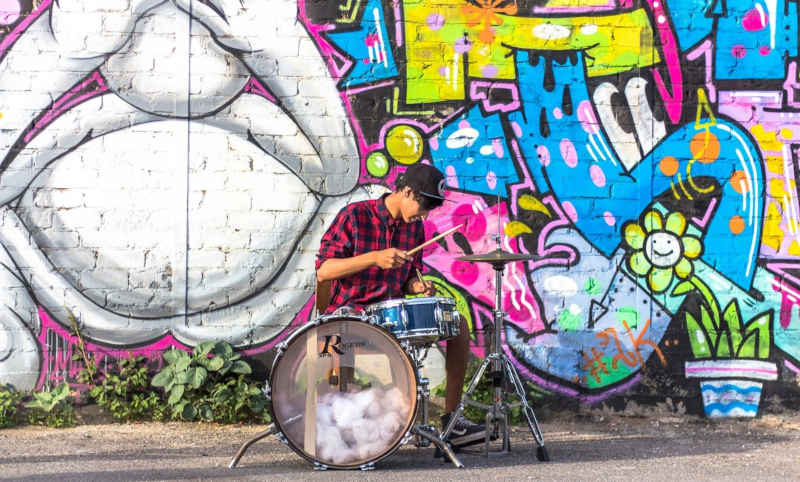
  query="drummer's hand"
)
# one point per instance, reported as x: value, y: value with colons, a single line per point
x: 391, y: 258
x: 419, y: 288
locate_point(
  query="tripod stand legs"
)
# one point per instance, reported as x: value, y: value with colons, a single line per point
x: 533, y: 424
x: 497, y: 413
x: 440, y: 444
x: 272, y: 429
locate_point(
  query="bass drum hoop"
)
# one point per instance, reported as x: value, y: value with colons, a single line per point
x: 412, y: 396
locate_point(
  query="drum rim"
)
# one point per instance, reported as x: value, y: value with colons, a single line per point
x: 414, y: 400
x: 416, y: 332
x: 410, y: 301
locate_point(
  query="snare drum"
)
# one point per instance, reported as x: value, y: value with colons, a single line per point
x: 418, y: 320
x: 343, y: 392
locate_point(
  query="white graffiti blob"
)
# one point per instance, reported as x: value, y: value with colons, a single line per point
x: 141, y: 223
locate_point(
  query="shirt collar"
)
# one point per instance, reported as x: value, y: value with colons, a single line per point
x: 383, y: 212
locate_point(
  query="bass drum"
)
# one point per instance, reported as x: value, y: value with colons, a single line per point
x: 343, y: 392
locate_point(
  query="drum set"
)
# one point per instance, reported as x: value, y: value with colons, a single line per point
x: 347, y: 390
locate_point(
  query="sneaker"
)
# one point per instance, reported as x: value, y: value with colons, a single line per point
x: 465, y: 432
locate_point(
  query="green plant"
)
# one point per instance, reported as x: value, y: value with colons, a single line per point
x: 9, y: 406
x: 89, y: 372
x: 237, y: 400
x: 125, y: 393
x: 53, y: 408
x: 209, y: 384
x: 721, y: 333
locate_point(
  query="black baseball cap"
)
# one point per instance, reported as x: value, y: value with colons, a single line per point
x: 427, y: 181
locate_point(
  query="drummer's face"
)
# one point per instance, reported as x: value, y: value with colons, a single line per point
x: 410, y: 208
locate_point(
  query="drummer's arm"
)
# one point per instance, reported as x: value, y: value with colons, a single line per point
x: 338, y: 268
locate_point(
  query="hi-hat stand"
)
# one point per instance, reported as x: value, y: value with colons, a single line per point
x: 502, y: 370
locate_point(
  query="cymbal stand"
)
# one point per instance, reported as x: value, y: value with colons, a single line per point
x: 502, y: 370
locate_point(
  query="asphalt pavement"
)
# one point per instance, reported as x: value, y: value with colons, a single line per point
x: 581, y: 447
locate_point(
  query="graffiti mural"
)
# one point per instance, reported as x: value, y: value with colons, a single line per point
x: 168, y: 167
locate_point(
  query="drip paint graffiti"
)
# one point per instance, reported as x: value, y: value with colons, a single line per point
x: 168, y: 192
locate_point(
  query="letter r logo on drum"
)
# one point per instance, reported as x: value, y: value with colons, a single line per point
x: 334, y: 346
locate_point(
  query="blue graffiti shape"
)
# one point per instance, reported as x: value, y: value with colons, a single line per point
x: 691, y: 19
x: 754, y: 38
x: 369, y: 46
x: 572, y: 159
x: 473, y: 148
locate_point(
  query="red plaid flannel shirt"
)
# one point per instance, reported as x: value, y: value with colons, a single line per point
x: 362, y: 227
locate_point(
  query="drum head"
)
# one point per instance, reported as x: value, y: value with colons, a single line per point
x: 343, y: 392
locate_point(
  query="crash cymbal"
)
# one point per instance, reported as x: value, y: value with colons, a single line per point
x: 498, y: 256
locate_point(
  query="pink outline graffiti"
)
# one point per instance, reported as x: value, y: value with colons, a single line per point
x: 68, y: 100
x: 474, y: 94
x: 255, y: 87
x: 789, y: 297
x: 790, y: 84
x: 365, y: 88
x: 780, y: 269
x: 705, y: 49
x: 62, y: 361
x: 673, y: 103
x: 611, y: 5
x: 398, y: 23
x: 326, y: 49
x: 12, y: 37
x: 701, y: 222
x: 720, y: 369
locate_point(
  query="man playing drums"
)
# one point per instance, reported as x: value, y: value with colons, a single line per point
x: 364, y: 256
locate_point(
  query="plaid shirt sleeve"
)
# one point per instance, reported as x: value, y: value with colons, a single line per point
x: 338, y: 240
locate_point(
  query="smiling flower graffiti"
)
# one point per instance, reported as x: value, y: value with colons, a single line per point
x: 661, y: 250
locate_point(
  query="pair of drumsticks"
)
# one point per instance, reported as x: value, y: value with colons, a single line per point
x: 433, y: 240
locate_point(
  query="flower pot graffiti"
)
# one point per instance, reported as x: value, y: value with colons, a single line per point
x: 725, y: 396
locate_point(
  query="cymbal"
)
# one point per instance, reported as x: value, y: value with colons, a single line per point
x: 498, y: 256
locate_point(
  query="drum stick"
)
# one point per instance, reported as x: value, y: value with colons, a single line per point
x: 437, y: 238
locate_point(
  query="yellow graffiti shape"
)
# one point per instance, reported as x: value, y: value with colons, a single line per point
x: 773, y: 234
x: 767, y: 140
x: 704, y: 117
x: 777, y: 189
x: 530, y: 203
x: 575, y: 3
x: 447, y: 37
x: 775, y: 164
x: 515, y: 228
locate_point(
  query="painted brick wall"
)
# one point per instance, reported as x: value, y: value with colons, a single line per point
x: 168, y: 168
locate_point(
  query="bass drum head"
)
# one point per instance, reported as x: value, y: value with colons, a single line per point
x: 343, y: 392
